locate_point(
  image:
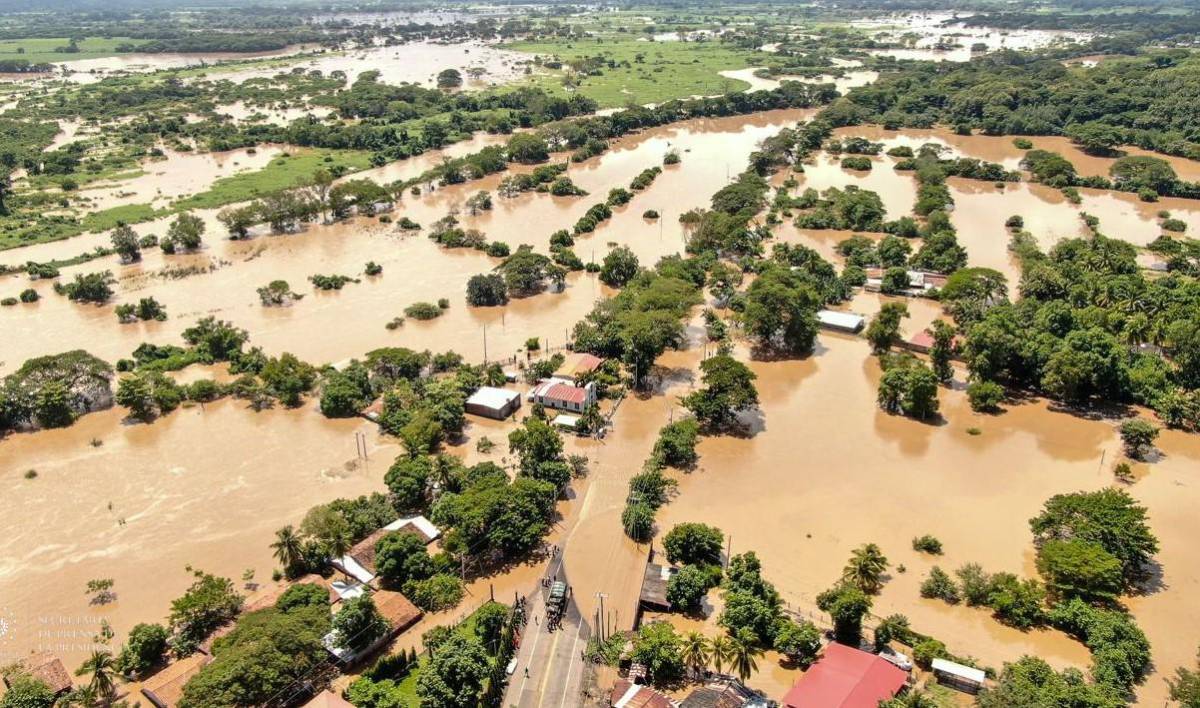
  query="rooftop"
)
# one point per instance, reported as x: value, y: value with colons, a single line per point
x: 416, y: 524
x: 632, y: 695
x: 654, y: 586
x: 48, y: 669
x: 328, y: 699
x: 845, y: 678
x: 577, y: 364
x: 494, y: 398
x: 841, y: 320
x: 565, y: 392
x: 165, y: 688
x: 396, y: 609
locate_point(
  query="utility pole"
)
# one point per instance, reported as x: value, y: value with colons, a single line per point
x: 602, y: 624
x: 485, y: 344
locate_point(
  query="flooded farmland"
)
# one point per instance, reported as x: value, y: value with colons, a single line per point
x: 202, y: 486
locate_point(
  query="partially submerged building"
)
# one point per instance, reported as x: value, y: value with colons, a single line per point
x: 495, y: 403
x: 845, y: 677
x: 563, y: 395
x: 396, y: 610
x: 626, y: 694
x: 577, y: 365
x: 359, y: 561
x: 48, y: 669
x: 964, y: 678
x: 165, y: 688
x: 837, y: 321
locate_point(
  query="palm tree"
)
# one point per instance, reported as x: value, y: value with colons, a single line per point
x: 102, y: 668
x: 743, y: 650
x: 694, y: 651
x: 442, y: 469
x: 911, y: 699
x: 720, y: 650
x: 338, y: 544
x: 289, y: 549
x: 493, y: 375
x: 866, y: 568
x: 82, y: 697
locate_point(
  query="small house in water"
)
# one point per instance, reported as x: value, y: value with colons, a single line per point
x: 165, y: 688
x: 496, y: 403
x: 48, y: 669
x: 841, y: 321
x: 964, y: 678
x: 626, y: 694
x: 328, y: 699
x: 563, y: 395
x: 578, y: 365
x: 396, y: 610
x: 845, y: 677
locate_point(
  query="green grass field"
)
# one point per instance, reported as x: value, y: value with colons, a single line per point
x: 283, y: 172
x: 42, y: 50
x: 666, y: 70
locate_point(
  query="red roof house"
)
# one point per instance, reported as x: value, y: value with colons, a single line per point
x: 846, y: 678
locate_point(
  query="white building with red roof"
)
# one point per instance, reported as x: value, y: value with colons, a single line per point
x: 563, y: 395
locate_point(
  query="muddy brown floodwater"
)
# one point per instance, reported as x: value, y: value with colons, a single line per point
x: 824, y: 471
x: 355, y: 316
x: 208, y: 486
x: 416, y: 62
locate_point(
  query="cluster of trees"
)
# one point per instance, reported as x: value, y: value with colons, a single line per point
x: 1077, y: 332
x: 52, y: 391
x: 696, y: 549
x: 753, y: 614
x: 1092, y: 547
x: 1147, y: 176
x: 1126, y: 101
x: 643, y: 320
x: 266, y: 652
x: 852, y: 208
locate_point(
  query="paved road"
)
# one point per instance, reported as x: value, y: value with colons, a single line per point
x: 550, y: 667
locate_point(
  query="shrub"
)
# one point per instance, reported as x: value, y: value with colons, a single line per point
x: 856, y: 162
x: 939, y: 585
x: 676, y: 444
x: 638, y: 521
x: 423, y: 311
x: 694, y: 544
x: 927, y: 544
x: 487, y: 290
x: 1174, y: 225
x: 1023, y: 143
x: 1138, y: 435
x: 926, y: 651
x: 985, y: 396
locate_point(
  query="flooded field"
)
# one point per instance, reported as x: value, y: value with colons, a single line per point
x: 843, y: 83
x: 177, y: 174
x: 219, y: 512
x: 932, y: 37
x: 712, y: 151
x: 86, y: 71
x: 203, y: 485
x: 416, y: 62
x: 206, y: 486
